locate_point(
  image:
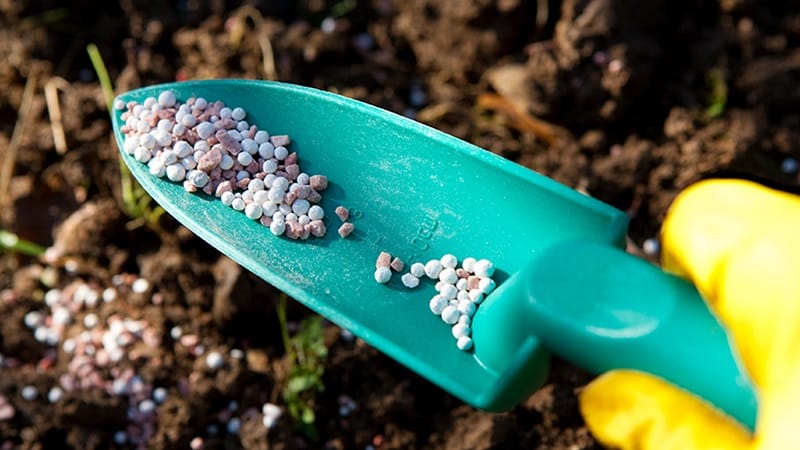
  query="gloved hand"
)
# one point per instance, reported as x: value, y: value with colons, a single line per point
x: 739, y: 243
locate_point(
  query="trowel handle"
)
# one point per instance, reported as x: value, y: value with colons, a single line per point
x: 601, y: 308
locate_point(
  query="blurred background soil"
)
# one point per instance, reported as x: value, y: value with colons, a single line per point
x: 626, y: 101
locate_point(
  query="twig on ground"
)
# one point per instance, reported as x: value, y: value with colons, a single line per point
x: 547, y: 132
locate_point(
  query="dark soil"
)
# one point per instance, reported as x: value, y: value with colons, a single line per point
x: 627, y: 101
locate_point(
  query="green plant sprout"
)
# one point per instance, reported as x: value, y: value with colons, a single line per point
x: 335, y: 11
x: 136, y: 203
x: 342, y: 8
x: 307, y: 354
x: 13, y: 243
x: 718, y: 93
x: 48, y: 17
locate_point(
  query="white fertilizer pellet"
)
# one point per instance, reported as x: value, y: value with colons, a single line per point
x: 464, y: 343
x: 484, y: 268
x: 233, y: 426
x: 209, y: 147
x: 147, y: 406
x: 417, y: 269
x: 476, y: 296
x: 437, y: 304
x: 466, y: 307
x: 650, y: 246
x: 120, y: 437
x: 54, y: 394
x: 315, y: 212
x: 214, y: 360
x: 253, y: 211
x: 29, y: 393
x: 433, y: 268
x: 449, y: 261
x: 271, y: 413
x: 468, y: 264
x: 460, y: 329
x: 33, y: 318
x: 140, y: 286
x: 160, y: 395
x: 450, y: 314
x: 409, y: 280
x: 448, y: 291
x: 383, y: 274
x: 448, y: 275
x: 486, y: 285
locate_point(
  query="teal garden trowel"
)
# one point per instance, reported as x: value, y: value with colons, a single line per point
x: 565, y: 285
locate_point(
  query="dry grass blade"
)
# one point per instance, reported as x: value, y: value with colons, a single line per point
x: 54, y: 112
x: 436, y: 111
x: 7, y: 169
x: 542, y: 14
x: 238, y: 29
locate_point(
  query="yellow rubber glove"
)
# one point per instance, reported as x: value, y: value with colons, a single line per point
x: 739, y: 242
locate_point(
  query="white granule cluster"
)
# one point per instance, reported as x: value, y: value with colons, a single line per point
x: 460, y: 289
x: 210, y: 147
